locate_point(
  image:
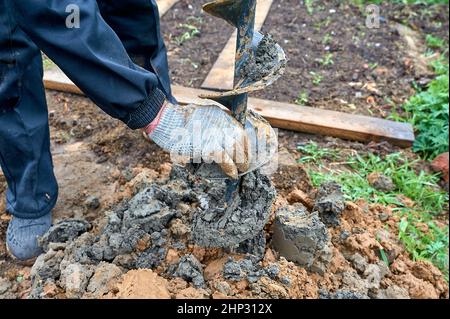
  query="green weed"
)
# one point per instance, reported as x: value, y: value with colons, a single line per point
x: 303, y: 98
x: 434, y: 42
x: 314, y: 153
x: 317, y: 78
x: 327, y: 59
x: 191, y: 32
x: 428, y: 112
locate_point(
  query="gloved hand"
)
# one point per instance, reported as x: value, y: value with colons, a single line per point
x: 206, y: 133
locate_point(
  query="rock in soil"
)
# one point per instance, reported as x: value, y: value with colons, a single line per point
x: 191, y: 270
x: 64, y: 231
x: 343, y: 294
x: 5, y: 284
x: 152, y: 230
x: 105, y: 276
x: 301, y: 237
x: 330, y: 203
x: 440, y: 164
x: 381, y: 182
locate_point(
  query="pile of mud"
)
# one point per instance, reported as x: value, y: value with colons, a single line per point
x: 147, y: 247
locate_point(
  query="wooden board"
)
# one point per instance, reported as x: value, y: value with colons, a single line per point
x: 288, y: 116
x: 220, y: 77
x: 165, y: 5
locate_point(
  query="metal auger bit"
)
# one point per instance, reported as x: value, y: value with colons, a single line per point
x: 258, y: 65
x: 259, y: 62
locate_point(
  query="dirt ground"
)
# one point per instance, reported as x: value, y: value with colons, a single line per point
x: 100, y: 165
x: 368, y: 71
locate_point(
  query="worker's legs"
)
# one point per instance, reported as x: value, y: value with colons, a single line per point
x: 25, y: 156
x: 93, y: 56
x: 137, y: 24
x: 75, y: 36
x: 24, y: 134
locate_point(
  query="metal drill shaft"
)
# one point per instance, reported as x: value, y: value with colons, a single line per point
x: 244, y: 52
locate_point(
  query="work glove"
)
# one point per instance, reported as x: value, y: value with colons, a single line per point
x: 206, y: 134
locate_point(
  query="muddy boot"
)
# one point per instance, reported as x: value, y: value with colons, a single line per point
x: 22, y: 235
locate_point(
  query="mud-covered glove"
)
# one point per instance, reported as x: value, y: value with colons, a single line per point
x: 201, y: 133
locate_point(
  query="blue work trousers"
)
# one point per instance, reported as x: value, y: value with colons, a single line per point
x: 112, y: 50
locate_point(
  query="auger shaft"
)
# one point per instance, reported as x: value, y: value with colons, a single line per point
x: 244, y: 52
x: 241, y: 15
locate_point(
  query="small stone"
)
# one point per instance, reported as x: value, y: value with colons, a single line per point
x: 383, y: 217
x: 64, y: 231
x: 5, y: 284
x: 223, y: 287
x: 103, y: 279
x: 178, y: 229
x: 92, y: 202
x: 440, y: 164
x: 299, y: 236
x: 381, y: 182
x: 272, y: 271
x: 359, y: 262
x: 330, y: 203
x: 232, y: 270
x: 190, y: 269
x: 393, y: 292
x: 344, y: 235
x: 342, y: 294
x: 172, y: 257
x: 285, y: 281
x: 74, y: 279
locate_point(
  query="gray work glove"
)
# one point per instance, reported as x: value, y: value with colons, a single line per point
x: 206, y: 133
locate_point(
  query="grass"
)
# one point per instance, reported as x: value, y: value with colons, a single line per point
x: 327, y: 59
x: 422, y: 188
x: 303, y: 98
x: 314, y: 153
x: 435, y: 42
x: 191, y: 32
x: 428, y: 112
x: 316, y: 78
x: 309, y: 6
x: 327, y: 38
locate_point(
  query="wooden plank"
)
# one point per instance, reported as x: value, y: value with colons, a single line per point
x: 220, y: 77
x: 165, y: 5
x: 288, y: 116
x: 318, y: 121
x: 55, y: 79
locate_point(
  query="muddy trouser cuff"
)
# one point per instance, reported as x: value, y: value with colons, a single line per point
x: 147, y: 111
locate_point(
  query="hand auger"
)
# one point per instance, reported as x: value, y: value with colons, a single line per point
x: 259, y: 60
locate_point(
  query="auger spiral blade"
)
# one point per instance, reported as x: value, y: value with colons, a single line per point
x: 259, y: 62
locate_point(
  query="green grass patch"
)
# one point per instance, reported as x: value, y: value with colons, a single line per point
x: 435, y: 42
x: 428, y: 112
x: 313, y: 153
x: 422, y: 188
